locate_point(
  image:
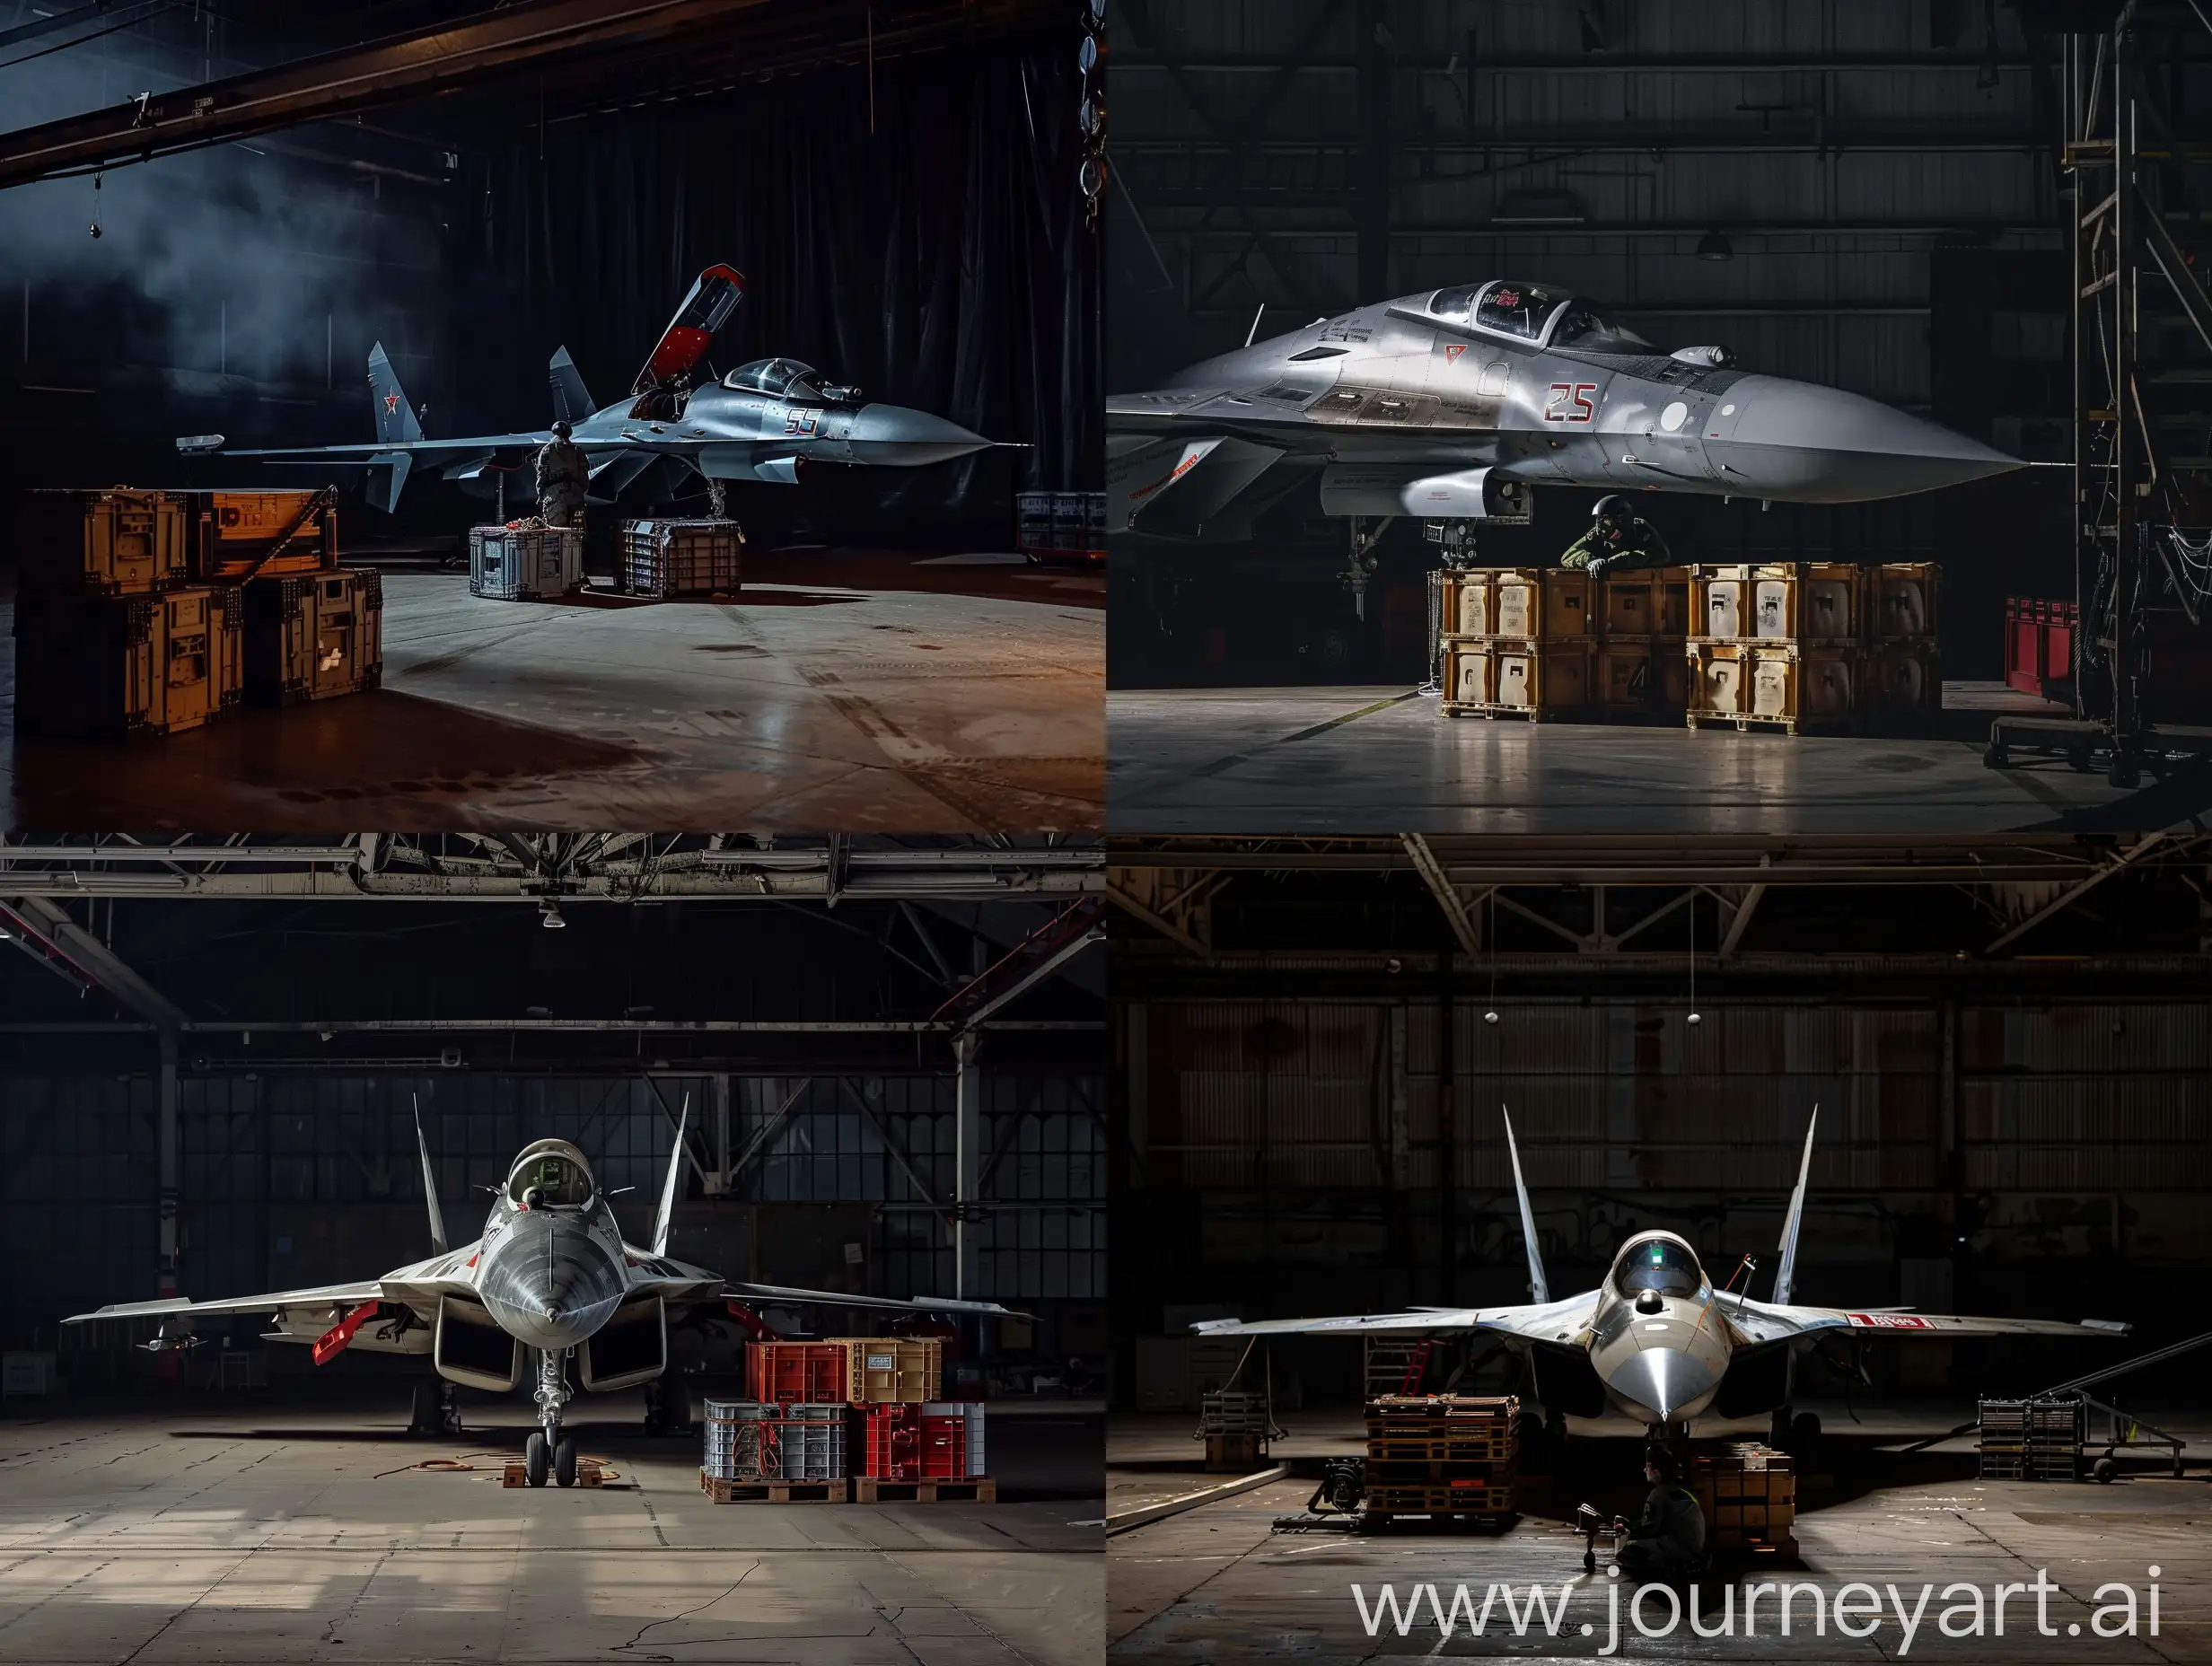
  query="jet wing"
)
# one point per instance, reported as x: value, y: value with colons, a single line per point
x: 839, y: 1298
x: 318, y: 1295
x: 1767, y: 1321
x: 1543, y: 1322
x: 1213, y: 410
x: 417, y: 1285
x: 369, y: 451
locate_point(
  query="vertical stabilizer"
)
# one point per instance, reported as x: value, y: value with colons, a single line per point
x: 1786, y: 1272
x: 1540, y: 1289
x: 662, y: 1220
x: 430, y: 1184
x: 396, y: 422
x: 572, y: 400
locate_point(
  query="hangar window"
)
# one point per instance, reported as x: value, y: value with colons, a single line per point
x: 1656, y: 1263
x: 1518, y: 310
x: 1581, y: 326
x: 779, y: 379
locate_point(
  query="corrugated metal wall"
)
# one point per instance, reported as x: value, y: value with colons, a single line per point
x: 290, y: 1177
x: 2057, y: 1113
x: 1595, y: 145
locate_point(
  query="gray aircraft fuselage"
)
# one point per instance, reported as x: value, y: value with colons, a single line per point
x: 1447, y: 403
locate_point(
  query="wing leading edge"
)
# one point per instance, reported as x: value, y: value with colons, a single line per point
x: 1543, y: 1322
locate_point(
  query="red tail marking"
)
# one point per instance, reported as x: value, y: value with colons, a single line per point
x: 332, y: 1342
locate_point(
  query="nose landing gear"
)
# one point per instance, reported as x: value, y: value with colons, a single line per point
x: 550, y: 1452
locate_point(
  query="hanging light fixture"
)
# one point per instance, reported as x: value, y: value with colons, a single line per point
x: 1490, y: 1016
x: 1695, y: 1017
x: 1715, y: 246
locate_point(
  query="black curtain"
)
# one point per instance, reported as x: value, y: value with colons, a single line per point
x: 919, y: 234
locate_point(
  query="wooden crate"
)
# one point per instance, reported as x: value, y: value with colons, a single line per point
x: 115, y: 668
x: 1901, y: 682
x: 1470, y: 602
x: 1542, y: 604
x: 884, y: 1370
x: 117, y: 542
x: 1900, y: 603
x: 314, y: 637
x: 981, y: 1489
x: 670, y: 558
x: 1642, y: 676
x: 1749, y: 1494
x: 1537, y: 680
x: 226, y: 643
x: 237, y: 533
x: 1812, y: 603
x: 1465, y: 1500
x: 726, y: 1492
x: 1470, y: 671
x: 1652, y: 603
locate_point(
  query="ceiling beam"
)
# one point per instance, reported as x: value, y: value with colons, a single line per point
x: 49, y: 922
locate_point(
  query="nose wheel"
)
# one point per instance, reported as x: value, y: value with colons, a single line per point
x: 550, y: 1452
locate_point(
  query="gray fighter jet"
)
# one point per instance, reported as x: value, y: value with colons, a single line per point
x: 549, y: 1274
x: 1449, y: 405
x: 765, y: 421
x: 1655, y: 1344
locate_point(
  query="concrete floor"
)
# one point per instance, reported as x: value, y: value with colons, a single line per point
x: 1215, y: 1583
x: 855, y: 690
x: 1327, y: 760
x: 302, y: 1532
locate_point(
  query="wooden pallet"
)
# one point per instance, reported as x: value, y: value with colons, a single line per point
x: 590, y: 1472
x: 1399, y: 1499
x: 1527, y: 714
x: 1742, y: 721
x: 722, y: 1491
x: 982, y: 1490
x: 1393, y: 1443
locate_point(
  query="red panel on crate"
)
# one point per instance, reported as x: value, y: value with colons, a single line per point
x: 944, y: 1448
x: 894, y: 1443
x: 797, y: 1373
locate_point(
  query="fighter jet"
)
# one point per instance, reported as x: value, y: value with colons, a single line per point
x: 1451, y: 404
x: 1656, y: 1343
x: 550, y: 1274
x: 765, y: 421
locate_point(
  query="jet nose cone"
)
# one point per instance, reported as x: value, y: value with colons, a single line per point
x: 1801, y: 443
x: 891, y: 433
x: 1661, y: 1380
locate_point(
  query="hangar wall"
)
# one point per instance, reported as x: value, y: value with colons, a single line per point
x: 1863, y: 195
x: 292, y: 1178
x: 1288, y: 1156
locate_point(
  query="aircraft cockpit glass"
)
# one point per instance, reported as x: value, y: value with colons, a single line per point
x: 779, y: 379
x: 1657, y: 1265
x: 1518, y: 310
x: 560, y: 1182
x: 1457, y: 305
x: 1582, y: 327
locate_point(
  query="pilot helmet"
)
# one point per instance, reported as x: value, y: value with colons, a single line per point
x: 561, y: 429
x: 1611, y: 513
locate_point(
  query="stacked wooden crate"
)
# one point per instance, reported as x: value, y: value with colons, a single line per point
x: 1442, y: 1455
x: 1518, y: 642
x: 673, y: 558
x: 1642, y: 623
x: 113, y: 640
x: 1748, y: 1494
x: 1812, y: 646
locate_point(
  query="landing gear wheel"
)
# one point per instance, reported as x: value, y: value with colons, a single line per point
x: 2104, y: 1470
x: 428, y: 1415
x: 1804, y: 1433
x: 565, y: 1461
x: 534, y: 1459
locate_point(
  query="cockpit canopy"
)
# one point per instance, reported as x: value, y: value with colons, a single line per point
x: 1538, y: 314
x: 1658, y: 1264
x: 780, y: 379
x: 557, y: 1171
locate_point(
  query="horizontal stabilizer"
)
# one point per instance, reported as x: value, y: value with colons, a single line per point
x: 388, y: 472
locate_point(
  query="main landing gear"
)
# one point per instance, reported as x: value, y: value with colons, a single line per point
x: 550, y: 1452
x: 436, y: 1408
x: 1797, y: 1435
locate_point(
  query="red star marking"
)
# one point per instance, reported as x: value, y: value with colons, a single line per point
x: 392, y: 403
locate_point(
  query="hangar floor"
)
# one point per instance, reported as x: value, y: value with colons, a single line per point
x: 1215, y: 1583
x: 860, y: 690
x: 1326, y: 760
x: 293, y: 1533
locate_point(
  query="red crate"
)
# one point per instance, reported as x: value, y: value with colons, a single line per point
x: 944, y: 1448
x: 895, y: 1442
x: 797, y: 1373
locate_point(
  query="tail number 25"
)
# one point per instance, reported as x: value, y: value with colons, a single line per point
x: 1571, y: 402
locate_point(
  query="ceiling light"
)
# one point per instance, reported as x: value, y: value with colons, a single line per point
x: 550, y: 916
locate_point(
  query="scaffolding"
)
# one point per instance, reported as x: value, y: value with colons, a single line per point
x: 2142, y: 355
